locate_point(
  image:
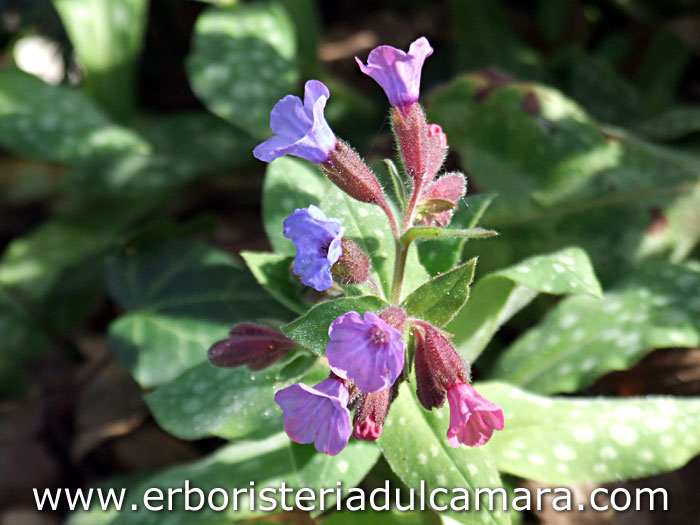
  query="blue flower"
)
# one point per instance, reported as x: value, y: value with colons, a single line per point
x: 318, y: 240
x: 300, y: 129
x: 398, y: 72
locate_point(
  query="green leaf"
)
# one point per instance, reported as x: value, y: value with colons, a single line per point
x: 673, y: 124
x: 498, y: 296
x: 181, y: 297
x: 185, y: 146
x: 431, y: 232
x: 290, y: 183
x: 242, y: 62
x: 311, y: 330
x: 266, y: 463
x: 274, y: 273
x: 39, y: 121
x: 566, y: 440
x: 107, y: 36
x: 441, y: 298
x: 441, y: 255
x: 367, y: 225
x: 583, y: 338
x: 414, y: 442
x: 231, y: 403
x: 562, y: 179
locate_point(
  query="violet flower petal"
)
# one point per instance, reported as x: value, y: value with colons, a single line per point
x: 368, y: 351
x: 317, y: 414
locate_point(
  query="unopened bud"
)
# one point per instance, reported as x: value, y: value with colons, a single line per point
x: 437, y: 365
x: 371, y: 413
x: 394, y: 317
x: 353, y: 266
x: 347, y: 171
x: 447, y: 189
x: 250, y: 344
x: 423, y: 147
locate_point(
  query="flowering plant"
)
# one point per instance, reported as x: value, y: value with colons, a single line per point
x: 367, y: 351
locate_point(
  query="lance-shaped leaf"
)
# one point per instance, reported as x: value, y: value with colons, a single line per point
x: 414, y: 442
x: 441, y: 255
x: 498, y: 296
x: 181, y: 296
x: 432, y: 232
x: 441, y: 298
x: 583, y: 338
x: 311, y: 330
x: 567, y: 440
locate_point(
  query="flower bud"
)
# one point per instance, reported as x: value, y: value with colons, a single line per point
x: 250, y: 344
x: 423, y: 147
x: 371, y: 413
x: 353, y: 266
x: 394, y: 317
x: 448, y: 188
x: 346, y: 170
x: 437, y: 364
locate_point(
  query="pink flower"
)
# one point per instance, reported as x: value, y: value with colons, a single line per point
x: 473, y: 418
x: 398, y: 72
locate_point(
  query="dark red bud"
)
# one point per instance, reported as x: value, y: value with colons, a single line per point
x: 437, y: 365
x: 250, y: 344
x: 353, y: 266
x: 450, y: 187
x: 370, y: 414
x: 394, y: 317
x: 423, y: 147
x: 347, y: 171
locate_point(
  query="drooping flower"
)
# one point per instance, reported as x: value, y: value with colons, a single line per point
x: 369, y: 351
x: 473, y: 418
x: 437, y: 365
x: 300, y: 129
x: 318, y: 240
x: 398, y: 72
x: 317, y: 414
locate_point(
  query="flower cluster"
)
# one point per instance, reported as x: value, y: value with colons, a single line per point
x: 366, y: 351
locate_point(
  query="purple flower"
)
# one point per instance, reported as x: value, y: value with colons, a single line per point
x: 473, y: 418
x: 317, y: 414
x: 369, y: 351
x: 300, y: 129
x: 397, y: 72
x: 318, y: 240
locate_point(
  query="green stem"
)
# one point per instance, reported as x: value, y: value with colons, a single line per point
x: 399, y: 269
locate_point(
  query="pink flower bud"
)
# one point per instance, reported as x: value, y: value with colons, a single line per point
x: 450, y: 187
x: 437, y: 365
x: 371, y: 412
x: 250, y: 344
x: 394, y: 317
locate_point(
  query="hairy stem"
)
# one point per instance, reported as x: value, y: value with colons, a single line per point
x: 399, y: 269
